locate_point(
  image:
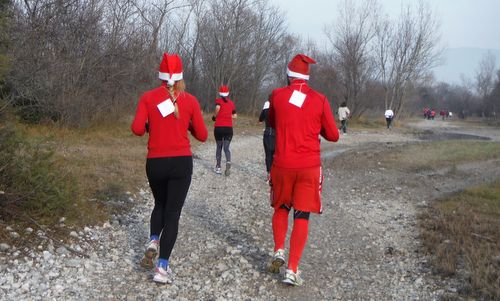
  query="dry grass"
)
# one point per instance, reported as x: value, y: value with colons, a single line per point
x: 431, y: 155
x: 105, y: 161
x: 366, y: 123
x: 108, y: 161
x: 462, y: 234
x: 476, y: 121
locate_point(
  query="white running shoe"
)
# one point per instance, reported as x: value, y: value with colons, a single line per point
x: 292, y: 278
x: 218, y: 170
x: 277, y: 261
x: 163, y: 276
x: 148, y: 261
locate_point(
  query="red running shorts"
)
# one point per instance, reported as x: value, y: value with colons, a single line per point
x: 297, y: 188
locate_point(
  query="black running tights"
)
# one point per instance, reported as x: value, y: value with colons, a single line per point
x: 223, y: 136
x: 169, y: 179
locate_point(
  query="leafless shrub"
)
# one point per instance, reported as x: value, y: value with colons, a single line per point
x: 351, y: 38
x: 405, y: 52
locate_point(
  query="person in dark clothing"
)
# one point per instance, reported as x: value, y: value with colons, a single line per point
x: 268, y: 138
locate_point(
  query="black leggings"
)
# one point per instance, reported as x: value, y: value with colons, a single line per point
x: 169, y: 179
x: 388, y: 121
x: 223, y: 136
x: 343, y: 126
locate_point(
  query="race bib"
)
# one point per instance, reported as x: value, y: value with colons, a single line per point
x: 297, y: 99
x: 166, y: 107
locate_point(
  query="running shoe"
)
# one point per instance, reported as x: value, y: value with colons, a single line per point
x: 228, y: 169
x: 292, y: 279
x: 163, y: 276
x: 150, y: 254
x: 277, y: 261
x: 217, y: 170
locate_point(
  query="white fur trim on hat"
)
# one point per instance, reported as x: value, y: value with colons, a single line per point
x: 224, y: 94
x: 296, y: 75
x: 166, y: 76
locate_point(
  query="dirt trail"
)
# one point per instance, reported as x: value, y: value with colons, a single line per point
x: 363, y: 247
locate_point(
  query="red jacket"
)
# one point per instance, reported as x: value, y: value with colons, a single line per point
x: 168, y: 135
x: 298, y: 128
x: 226, y: 111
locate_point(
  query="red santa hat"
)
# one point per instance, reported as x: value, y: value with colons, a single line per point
x: 170, y: 68
x: 224, y: 91
x: 299, y: 66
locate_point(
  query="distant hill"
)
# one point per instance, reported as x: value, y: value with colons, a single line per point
x: 457, y: 61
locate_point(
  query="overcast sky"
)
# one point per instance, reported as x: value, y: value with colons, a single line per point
x: 464, y: 23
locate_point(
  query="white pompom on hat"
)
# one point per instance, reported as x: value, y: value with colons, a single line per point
x: 224, y: 91
x: 299, y: 66
x: 170, y: 68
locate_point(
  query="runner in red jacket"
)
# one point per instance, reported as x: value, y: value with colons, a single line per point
x: 299, y: 115
x: 168, y: 113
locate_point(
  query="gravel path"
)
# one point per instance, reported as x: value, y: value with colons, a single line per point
x: 363, y: 247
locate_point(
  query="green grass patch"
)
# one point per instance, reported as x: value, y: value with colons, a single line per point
x: 461, y: 233
x: 437, y: 154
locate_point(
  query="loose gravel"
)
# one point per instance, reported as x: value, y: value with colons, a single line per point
x: 363, y: 247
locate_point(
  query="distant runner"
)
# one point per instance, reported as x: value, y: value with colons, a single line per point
x: 344, y: 115
x: 389, y: 115
x: 225, y: 112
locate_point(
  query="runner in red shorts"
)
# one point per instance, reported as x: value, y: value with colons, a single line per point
x: 299, y: 116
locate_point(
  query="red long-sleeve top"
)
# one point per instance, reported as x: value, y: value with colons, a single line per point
x: 226, y: 111
x: 168, y: 135
x: 298, y: 128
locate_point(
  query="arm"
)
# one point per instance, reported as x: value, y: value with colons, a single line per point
x: 138, y: 126
x: 270, y: 115
x: 329, y: 129
x: 265, y: 111
x: 263, y: 114
x: 217, y: 109
x: 197, y: 127
x: 234, y: 112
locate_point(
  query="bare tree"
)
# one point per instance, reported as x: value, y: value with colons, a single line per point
x: 4, y: 61
x: 77, y: 61
x: 267, y: 35
x: 239, y: 43
x: 485, y: 75
x: 405, y: 52
x: 492, y: 102
x: 485, y: 79
x: 350, y: 37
